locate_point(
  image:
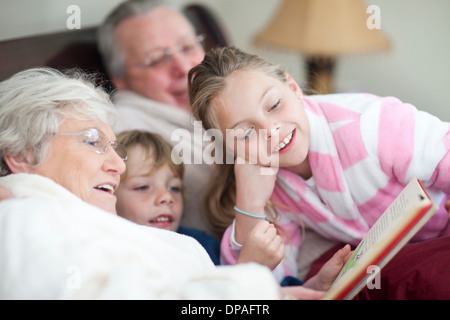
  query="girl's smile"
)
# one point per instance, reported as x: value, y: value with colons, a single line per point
x: 287, y: 143
x: 270, y: 125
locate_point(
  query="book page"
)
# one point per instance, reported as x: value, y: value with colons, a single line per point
x: 393, y: 221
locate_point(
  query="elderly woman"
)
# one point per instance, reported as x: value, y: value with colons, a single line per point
x: 59, y: 235
x: 48, y: 128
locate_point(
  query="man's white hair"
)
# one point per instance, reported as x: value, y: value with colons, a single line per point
x: 112, y: 55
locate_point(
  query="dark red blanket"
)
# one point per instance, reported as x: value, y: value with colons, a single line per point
x: 420, y: 271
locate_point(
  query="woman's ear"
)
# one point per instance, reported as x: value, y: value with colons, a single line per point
x: 293, y: 85
x: 118, y: 82
x: 18, y: 164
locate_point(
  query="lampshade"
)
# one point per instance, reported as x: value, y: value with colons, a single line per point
x: 322, y: 27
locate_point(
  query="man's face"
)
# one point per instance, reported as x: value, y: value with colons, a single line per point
x: 160, y: 48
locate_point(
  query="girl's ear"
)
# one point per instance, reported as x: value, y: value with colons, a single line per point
x: 293, y: 85
x: 18, y: 164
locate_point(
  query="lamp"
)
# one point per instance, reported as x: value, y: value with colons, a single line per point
x: 322, y: 30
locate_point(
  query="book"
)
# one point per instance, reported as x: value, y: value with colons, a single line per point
x: 404, y: 217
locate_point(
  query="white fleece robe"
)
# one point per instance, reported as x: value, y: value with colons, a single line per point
x: 55, y: 246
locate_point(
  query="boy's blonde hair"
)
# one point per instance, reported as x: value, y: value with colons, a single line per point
x: 157, y: 150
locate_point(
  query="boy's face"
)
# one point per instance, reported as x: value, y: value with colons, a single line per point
x: 150, y: 197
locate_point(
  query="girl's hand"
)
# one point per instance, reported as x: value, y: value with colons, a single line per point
x: 263, y: 245
x: 328, y: 273
x: 254, y: 185
x: 253, y: 190
x: 300, y: 293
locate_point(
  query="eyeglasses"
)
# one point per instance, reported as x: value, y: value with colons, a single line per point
x: 161, y: 58
x: 97, y: 141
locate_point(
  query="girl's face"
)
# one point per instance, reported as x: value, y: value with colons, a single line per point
x: 263, y: 120
x: 150, y: 197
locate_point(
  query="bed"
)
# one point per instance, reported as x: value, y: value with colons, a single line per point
x: 78, y: 49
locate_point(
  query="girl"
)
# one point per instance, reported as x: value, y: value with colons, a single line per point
x: 342, y: 159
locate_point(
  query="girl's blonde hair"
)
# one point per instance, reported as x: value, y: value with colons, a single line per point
x: 206, y: 82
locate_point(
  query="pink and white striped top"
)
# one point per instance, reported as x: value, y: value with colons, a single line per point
x: 364, y: 149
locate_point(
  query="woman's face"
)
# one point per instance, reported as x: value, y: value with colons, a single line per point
x: 263, y: 120
x: 148, y: 196
x: 75, y: 165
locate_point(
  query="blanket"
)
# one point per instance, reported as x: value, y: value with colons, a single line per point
x: 55, y: 246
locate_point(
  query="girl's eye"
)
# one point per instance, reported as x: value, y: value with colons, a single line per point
x: 175, y: 189
x: 276, y: 105
x: 141, y: 188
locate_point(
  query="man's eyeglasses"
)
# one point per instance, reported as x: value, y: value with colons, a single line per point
x: 161, y: 58
x: 97, y: 141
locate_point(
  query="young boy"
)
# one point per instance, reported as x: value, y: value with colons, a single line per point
x: 151, y: 189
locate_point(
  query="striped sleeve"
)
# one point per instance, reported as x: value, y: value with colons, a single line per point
x: 412, y: 143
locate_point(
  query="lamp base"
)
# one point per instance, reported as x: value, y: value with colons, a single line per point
x: 320, y: 74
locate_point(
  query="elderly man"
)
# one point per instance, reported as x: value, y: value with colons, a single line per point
x: 148, y: 48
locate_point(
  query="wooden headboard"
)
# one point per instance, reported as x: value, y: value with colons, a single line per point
x: 62, y: 50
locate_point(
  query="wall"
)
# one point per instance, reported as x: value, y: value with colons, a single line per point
x: 20, y: 18
x: 416, y: 68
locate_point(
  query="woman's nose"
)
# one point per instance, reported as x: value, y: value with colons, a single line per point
x: 114, y: 162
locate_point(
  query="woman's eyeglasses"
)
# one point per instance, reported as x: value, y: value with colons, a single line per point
x: 97, y: 141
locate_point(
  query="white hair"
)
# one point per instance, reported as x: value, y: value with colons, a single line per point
x: 34, y: 102
x: 112, y: 55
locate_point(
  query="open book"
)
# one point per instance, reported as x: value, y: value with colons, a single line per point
x: 397, y: 225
